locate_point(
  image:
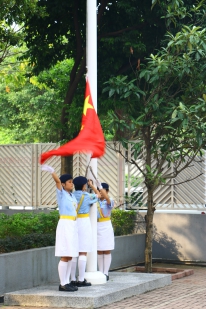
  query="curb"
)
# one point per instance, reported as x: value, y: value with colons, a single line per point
x: 175, y: 272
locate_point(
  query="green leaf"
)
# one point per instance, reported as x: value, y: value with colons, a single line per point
x: 111, y: 92
x: 174, y: 114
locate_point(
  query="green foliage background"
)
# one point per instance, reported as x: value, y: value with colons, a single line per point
x: 123, y: 222
x: 23, y: 231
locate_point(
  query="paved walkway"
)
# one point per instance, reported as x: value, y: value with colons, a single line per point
x: 187, y: 292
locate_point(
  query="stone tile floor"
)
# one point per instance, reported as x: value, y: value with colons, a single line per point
x: 187, y: 292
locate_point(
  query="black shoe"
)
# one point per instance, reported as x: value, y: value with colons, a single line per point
x: 83, y: 283
x: 66, y: 288
x: 72, y: 286
x: 107, y: 277
x: 73, y: 283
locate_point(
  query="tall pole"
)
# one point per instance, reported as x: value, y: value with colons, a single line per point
x: 91, y: 45
x: 92, y: 275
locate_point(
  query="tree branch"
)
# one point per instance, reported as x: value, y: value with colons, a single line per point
x: 179, y: 183
x: 119, y: 32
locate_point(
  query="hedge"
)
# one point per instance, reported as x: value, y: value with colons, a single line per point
x: 23, y: 231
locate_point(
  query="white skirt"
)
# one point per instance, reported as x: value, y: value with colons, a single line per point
x: 66, y: 238
x: 85, y: 234
x: 105, y: 236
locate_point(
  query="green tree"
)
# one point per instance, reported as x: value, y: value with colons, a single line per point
x: 164, y: 107
x: 60, y: 34
x: 31, y: 107
x: 12, y: 14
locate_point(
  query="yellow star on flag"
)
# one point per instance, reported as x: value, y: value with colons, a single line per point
x: 87, y: 105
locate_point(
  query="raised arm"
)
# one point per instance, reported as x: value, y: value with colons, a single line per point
x: 50, y: 169
x: 93, y: 188
x: 103, y: 191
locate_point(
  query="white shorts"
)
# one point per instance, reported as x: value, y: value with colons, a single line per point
x: 66, y: 238
x: 105, y: 236
x: 85, y: 234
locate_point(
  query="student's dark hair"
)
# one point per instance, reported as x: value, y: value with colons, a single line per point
x: 78, y: 187
x: 107, y: 190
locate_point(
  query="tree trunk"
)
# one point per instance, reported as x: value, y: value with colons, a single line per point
x: 75, y: 77
x: 149, y: 232
x: 79, y: 68
x: 150, y: 209
x: 67, y: 165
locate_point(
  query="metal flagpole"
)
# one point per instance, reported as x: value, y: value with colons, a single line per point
x: 92, y: 275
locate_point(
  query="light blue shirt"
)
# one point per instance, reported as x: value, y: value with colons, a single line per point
x: 105, y: 208
x: 89, y: 199
x: 67, y: 203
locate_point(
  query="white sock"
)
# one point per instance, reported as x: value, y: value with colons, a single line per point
x: 69, y: 265
x: 100, y: 262
x: 73, y: 269
x: 82, y: 266
x: 107, y: 263
x: 62, y: 269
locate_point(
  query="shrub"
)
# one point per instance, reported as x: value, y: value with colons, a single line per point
x: 21, y: 224
x: 123, y: 221
x: 25, y: 242
x: 23, y: 231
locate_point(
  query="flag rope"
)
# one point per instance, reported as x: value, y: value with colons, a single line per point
x: 92, y: 172
x: 87, y: 168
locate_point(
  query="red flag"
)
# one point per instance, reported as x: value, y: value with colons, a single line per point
x: 90, y: 139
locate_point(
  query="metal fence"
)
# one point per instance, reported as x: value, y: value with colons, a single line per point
x: 22, y: 183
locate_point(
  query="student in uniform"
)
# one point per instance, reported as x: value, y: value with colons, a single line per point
x: 85, y: 201
x: 66, y: 245
x: 105, y: 232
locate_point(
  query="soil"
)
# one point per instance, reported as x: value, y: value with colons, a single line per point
x: 176, y: 271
